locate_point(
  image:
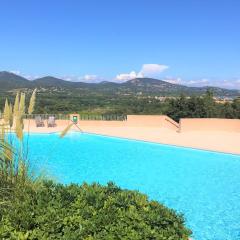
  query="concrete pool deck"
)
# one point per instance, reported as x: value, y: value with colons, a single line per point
x: 160, y: 129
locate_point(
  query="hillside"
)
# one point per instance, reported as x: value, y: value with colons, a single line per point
x: 10, y: 81
x: 143, y: 86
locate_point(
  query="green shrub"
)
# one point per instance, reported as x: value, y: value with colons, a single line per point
x: 55, y: 211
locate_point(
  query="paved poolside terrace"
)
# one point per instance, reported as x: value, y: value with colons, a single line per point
x: 222, y: 135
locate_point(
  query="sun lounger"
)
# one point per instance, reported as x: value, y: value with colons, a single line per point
x: 51, y: 122
x: 39, y: 121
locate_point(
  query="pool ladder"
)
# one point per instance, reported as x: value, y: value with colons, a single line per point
x: 75, y: 124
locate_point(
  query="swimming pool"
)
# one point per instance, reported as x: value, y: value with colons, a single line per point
x: 204, y: 186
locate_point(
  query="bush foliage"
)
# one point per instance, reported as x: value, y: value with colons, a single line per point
x: 55, y: 211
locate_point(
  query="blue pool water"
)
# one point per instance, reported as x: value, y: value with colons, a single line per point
x: 204, y: 186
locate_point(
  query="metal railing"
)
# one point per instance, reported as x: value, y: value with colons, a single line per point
x: 95, y: 117
x: 104, y: 117
x: 46, y: 116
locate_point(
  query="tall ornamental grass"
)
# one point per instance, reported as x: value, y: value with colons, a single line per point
x: 13, y: 163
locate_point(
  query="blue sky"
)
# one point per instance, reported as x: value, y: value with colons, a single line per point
x: 189, y: 41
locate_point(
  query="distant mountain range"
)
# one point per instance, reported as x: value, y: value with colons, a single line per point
x: 144, y: 86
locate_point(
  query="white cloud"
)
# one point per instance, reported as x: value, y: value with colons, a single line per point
x: 68, y: 78
x: 200, y: 82
x: 230, y: 84
x: 147, y: 70
x: 153, y: 69
x: 173, y: 80
x: 17, y: 72
x: 92, y: 78
x: 178, y: 80
x: 29, y: 77
x: 89, y: 77
x: 127, y: 76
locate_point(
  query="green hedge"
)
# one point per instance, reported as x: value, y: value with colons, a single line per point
x: 54, y: 211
